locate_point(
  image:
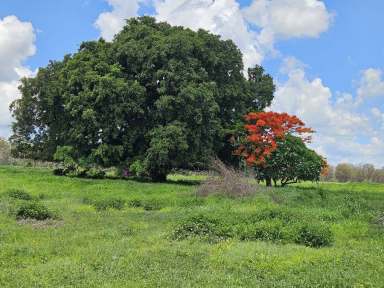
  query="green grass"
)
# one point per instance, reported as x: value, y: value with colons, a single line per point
x: 131, y: 241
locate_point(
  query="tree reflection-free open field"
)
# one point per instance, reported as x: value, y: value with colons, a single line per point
x: 114, y: 233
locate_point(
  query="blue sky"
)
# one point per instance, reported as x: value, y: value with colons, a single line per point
x: 326, y: 56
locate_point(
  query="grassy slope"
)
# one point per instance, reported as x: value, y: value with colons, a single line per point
x: 132, y: 247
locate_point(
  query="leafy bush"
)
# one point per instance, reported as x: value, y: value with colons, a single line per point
x: 95, y: 173
x: 208, y: 228
x: 264, y: 230
x: 113, y: 173
x: 33, y: 210
x: 315, y: 235
x: 137, y: 169
x: 19, y: 194
x: 113, y: 203
x: 275, y: 225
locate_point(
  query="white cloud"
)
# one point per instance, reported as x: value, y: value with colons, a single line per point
x: 110, y: 23
x: 220, y: 17
x: 289, y: 18
x: 371, y: 84
x: 277, y: 19
x: 17, y: 43
x: 343, y: 132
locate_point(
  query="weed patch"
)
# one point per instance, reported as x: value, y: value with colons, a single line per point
x: 268, y: 225
x: 34, y: 210
x: 315, y: 235
x: 112, y: 203
x: 19, y: 194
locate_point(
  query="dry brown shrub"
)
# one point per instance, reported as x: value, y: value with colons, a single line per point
x: 226, y: 181
x: 380, y: 220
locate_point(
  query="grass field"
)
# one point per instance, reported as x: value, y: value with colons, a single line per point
x: 162, y: 235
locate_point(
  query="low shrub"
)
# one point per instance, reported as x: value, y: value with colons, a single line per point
x: 19, y: 194
x: 33, y: 210
x: 137, y: 169
x: 264, y: 230
x: 202, y: 226
x: 113, y: 173
x: 315, y: 235
x: 112, y: 203
x: 95, y: 173
x: 274, y: 225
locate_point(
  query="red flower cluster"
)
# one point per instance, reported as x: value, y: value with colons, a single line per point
x: 264, y: 130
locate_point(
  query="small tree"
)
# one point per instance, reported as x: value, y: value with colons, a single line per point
x: 291, y: 162
x: 274, y: 144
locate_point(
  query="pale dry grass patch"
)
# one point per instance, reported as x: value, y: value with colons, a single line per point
x: 227, y: 181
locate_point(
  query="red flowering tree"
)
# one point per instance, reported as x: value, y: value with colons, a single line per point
x: 264, y: 132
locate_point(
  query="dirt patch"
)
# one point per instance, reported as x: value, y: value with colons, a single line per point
x: 36, y: 224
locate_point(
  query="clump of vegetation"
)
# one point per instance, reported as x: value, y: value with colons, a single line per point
x: 135, y: 203
x: 208, y: 228
x: 111, y: 203
x: 151, y: 206
x: 269, y: 225
x: 34, y: 210
x: 263, y: 230
x: 226, y: 181
x: 95, y: 173
x: 315, y: 235
x: 147, y: 205
x: 19, y: 194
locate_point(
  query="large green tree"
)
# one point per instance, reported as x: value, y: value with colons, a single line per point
x: 166, y: 96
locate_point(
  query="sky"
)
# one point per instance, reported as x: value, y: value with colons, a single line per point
x: 326, y: 57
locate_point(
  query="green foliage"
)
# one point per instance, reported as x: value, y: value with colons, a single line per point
x: 19, y: 194
x: 33, y: 210
x: 95, y: 173
x: 292, y: 162
x: 202, y: 226
x: 275, y: 225
x: 168, y: 146
x: 154, y: 87
x: 315, y: 235
x: 151, y: 205
x: 137, y: 168
x: 111, y: 203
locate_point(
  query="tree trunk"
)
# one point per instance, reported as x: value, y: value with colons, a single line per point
x: 268, y: 182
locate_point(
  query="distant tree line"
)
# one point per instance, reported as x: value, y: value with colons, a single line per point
x: 346, y: 172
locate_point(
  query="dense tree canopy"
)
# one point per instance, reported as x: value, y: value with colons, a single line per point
x: 165, y: 96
